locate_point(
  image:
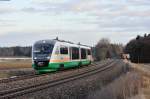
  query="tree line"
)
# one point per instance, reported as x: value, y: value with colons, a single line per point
x: 16, y: 51
x: 102, y: 50
x: 139, y: 49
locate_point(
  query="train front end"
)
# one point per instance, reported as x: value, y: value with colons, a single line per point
x: 41, y: 55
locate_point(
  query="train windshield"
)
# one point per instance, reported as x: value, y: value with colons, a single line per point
x: 43, y: 48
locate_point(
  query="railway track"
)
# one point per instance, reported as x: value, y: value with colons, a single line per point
x: 7, y: 94
x: 17, y: 78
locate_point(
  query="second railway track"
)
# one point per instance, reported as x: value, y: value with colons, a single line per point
x: 7, y: 94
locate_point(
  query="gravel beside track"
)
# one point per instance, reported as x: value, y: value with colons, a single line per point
x: 79, y: 88
x: 55, y: 79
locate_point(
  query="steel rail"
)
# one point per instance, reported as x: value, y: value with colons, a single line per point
x: 6, y: 94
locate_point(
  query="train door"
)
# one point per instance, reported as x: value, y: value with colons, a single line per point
x: 70, y: 53
x: 64, y: 57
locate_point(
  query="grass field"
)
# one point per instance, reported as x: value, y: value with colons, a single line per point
x: 14, y: 64
x: 14, y: 67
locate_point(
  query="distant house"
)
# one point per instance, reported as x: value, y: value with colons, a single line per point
x: 125, y: 56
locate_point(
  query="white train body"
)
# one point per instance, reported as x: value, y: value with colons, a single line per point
x: 59, y: 55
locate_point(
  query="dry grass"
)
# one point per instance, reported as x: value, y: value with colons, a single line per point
x: 146, y: 82
x: 15, y: 67
x: 146, y: 86
x: 122, y: 88
x: 3, y: 75
x: 144, y: 72
x: 14, y: 64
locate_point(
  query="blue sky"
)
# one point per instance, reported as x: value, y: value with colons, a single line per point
x: 22, y: 22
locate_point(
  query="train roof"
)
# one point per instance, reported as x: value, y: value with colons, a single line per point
x: 53, y: 41
x: 71, y: 42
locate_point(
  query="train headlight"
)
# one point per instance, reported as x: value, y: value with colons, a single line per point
x: 35, y: 57
x: 48, y: 57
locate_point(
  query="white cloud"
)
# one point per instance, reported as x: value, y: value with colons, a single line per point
x: 4, y: 10
x: 73, y: 19
x: 49, y: 2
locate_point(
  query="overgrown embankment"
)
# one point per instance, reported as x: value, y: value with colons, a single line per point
x: 135, y: 84
x: 125, y: 86
x: 144, y: 71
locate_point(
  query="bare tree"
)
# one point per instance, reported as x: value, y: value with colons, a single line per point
x: 104, y: 49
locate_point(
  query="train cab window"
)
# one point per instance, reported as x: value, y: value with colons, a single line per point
x: 41, y: 48
x: 75, y: 53
x: 83, y: 53
x: 63, y: 50
x: 89, y: 52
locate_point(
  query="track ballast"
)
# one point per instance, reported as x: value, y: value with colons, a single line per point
x: 32, y: 88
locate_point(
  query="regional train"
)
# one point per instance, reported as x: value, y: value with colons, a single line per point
x: 53, y: 55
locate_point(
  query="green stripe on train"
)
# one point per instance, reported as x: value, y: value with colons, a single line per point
x: 56, y: 66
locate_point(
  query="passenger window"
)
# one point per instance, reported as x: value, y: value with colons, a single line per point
x: 75, y: 53
x: 83, y: 53
x: 63, y: 50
